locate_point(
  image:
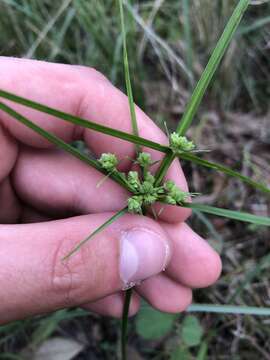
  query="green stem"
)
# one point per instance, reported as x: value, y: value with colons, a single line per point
x: 164, y: 166
x: 124, y: 326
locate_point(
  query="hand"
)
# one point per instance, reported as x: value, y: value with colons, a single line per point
x: 49, y: 202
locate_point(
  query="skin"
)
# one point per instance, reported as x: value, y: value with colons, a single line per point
x: 51, y: 202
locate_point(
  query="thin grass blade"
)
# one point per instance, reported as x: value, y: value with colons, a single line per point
x: 202, y: 85
x: 127, y: 74
x: 225, y: 170
x: 83, y: 122
x: 97, y: 231
x: 212, y: 66
x: 58, y: 142
x: 135, y: 130
x: 231, y: 214
x: 230, y: 309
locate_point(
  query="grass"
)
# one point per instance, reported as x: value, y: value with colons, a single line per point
x: 161, y: 62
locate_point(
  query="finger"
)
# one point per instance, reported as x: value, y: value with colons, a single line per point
x: 35, y: 280
x: 194, y: 263
x: 10, y: 209
x: 165, y: 294
x: 8, y: 153
x: 112, y: 305
x: 30, y: 215
x: 81, y: 91
x: 73, y: 186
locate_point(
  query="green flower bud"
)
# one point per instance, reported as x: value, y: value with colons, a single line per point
x: 169, y: 185
x: 170, y: 200
x: 180, y: 143
x: 147, y: 187
x: 135, y: 204
x: 108, y: 162
x: 144, y: 159
x: 134, y: 181
x: 180, y: 196
x: 149, y: 178
x: 150, y: 199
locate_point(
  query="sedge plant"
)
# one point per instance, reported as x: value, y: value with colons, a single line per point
x: 145, y: 187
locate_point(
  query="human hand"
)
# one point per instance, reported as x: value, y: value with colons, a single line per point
x: 49, y: 202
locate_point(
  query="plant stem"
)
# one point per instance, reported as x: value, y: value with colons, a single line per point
x: 164, y: 166
x: 128, y: 295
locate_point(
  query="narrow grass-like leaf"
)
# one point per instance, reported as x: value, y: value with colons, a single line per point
x: 58, y: 142
x: 225, y: 170
x: 138, y: 149
x: 254, y: 26
x: 212, y: 66
x: 129, y: 137
x: 97, y: 231
x: 202, y: 85
x: 127, y: 74
x: 83, y: 122
x: 231, y: 214
x: 230, y: 309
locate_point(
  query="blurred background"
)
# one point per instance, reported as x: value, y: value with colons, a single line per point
x: 169, y: 43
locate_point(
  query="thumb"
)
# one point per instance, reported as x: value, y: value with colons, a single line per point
x: 34, y: 279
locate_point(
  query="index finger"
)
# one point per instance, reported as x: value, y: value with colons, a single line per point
x: 84, y: 92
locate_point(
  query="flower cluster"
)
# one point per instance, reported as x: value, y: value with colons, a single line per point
x: 180, y: 144
x: 142, y: 184
x: 109, y: 162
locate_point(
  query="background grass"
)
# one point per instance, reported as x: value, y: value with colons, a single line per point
x: 169, y: 43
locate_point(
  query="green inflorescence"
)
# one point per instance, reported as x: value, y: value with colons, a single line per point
x: 180, y: 144
x: 142, y: 184
x: 109, y: 162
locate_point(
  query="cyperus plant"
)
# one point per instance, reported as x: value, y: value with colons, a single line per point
x: 145, y: 187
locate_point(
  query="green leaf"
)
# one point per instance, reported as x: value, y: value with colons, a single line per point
x: 191, y: 331
x: 83, y: 122
x: 153, y: 324
x: 212, y: 66
x: 97, y: 231
x: 231, y: 214
x: 225, y: 170
x: 127, y: 137
x: 204, y: 81
x: 230, y: 309
x: 127, y: 74
x: 58, y: 142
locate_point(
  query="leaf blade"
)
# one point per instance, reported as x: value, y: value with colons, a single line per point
x: 231, y: 214
x: 83, y: 122
x: 57, y: 141
x: 230, y: 309
x: 212, y: 66
x: 225, y: 170
x: 95, y: 232
x: 205, y: 79
x: 127, y: 74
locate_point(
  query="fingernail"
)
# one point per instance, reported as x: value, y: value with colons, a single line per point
x: 143, y: 253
